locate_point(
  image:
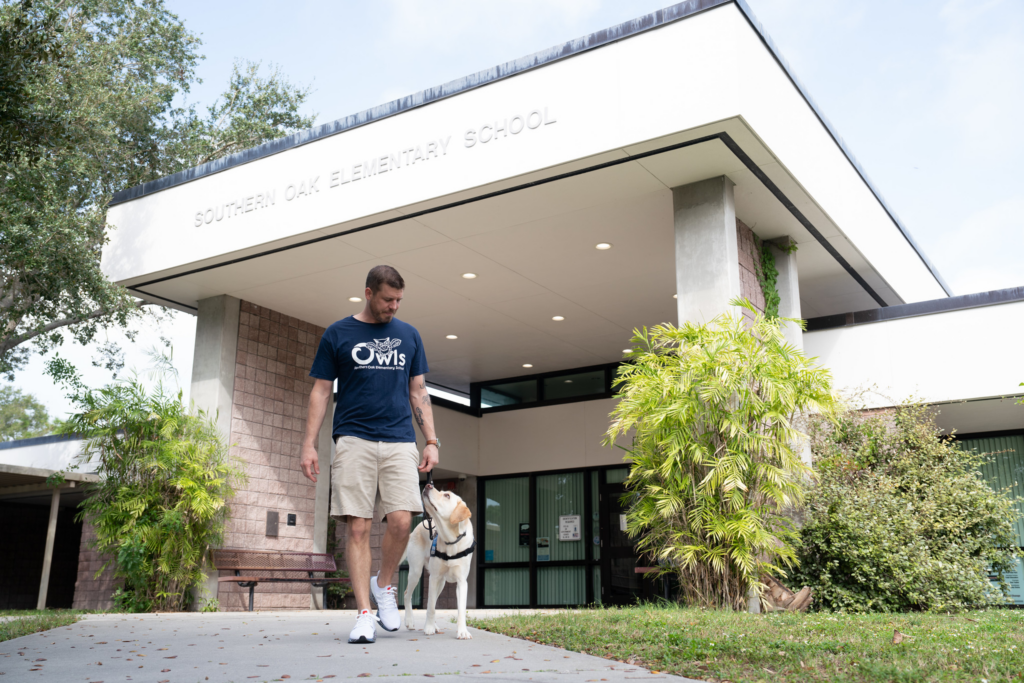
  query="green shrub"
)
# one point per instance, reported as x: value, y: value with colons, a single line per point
x: 336, y: 592
x: 714, y: 470
x: 900, y: 519
x: 161, y: 503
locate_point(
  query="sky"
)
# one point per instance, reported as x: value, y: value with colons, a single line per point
x: 926, y: 94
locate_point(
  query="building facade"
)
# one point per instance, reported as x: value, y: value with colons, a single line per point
x: 540, y: 211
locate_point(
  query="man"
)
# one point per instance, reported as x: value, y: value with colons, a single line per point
x: 380, y: 365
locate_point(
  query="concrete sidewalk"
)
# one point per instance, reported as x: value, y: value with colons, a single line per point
x: 277, y: 646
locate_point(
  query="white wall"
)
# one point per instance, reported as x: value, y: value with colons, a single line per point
x: 548, y: 438
x: 528, y: 440
x: 460, y: 440
x: 705, y: 69
x: 48, y: 456
x: 959, y: 355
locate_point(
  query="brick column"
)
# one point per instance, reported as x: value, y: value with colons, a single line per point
x: 91, y: 592
x: 268, y: 419
x: 750, y: 262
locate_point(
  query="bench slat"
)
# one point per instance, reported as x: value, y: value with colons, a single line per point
x: 263, y: 579
x: 264, y: 560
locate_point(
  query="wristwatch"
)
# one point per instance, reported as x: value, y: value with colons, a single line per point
x: 435, y: 442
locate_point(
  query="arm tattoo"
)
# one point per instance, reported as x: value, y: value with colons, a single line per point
x: 426, y: 399
x: 418, y: 413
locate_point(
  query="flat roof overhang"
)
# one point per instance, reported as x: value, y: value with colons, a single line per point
x: 615, y: 128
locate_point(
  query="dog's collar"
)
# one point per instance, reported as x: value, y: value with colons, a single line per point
x: 428, y: 523
x: 445, y: 558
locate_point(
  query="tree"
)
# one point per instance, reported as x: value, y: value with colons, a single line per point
x: 161, y: 503
x: 108, y: 88
x: 901, y: 519
x: 28, y: 40
x: 714, y: 472
x: 22, y: 416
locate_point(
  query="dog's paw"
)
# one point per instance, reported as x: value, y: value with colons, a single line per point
x: 410, y: 625
x: 429, y: 629
x: 464, y: 634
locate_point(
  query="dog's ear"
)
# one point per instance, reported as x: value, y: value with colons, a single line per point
x: 461, y: 514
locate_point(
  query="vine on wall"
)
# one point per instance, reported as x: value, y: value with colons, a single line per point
x: 768, y: 275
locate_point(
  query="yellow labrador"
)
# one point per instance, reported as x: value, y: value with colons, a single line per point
x: 452, y: 557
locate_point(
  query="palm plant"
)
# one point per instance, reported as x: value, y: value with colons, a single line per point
x: 715, y: 461
x: 166, y: 476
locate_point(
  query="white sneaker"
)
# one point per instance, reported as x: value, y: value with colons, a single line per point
x: 387, y: 605
x: 365, y: 630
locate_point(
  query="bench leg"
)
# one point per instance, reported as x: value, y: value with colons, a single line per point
x: 252, y: 587
x: 323, y: 602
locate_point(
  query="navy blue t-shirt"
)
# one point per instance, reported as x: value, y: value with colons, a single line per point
x: 373, y: 364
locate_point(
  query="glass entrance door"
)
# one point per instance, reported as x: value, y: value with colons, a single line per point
x: 620, y: 584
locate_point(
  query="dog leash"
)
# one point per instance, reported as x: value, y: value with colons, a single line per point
x: 427, y: 519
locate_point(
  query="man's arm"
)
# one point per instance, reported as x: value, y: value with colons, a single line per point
x: 319, y: 399
x: 423, y: 413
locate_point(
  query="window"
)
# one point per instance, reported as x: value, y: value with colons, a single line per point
x: 580, y: 384
x: 569, y: 386
x: 508, y: 394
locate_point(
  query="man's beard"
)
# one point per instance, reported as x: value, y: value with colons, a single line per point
x: 381, y: 316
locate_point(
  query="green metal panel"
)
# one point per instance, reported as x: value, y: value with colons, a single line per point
x: 403, y: 575
x: 597, y: 584
x: 558, y: 495
x: 508, y: 506
x: 595, y: 518
x: 403, y: 582
x: 507, y: 586
x: 1005, y: 470
x: 561, y: 585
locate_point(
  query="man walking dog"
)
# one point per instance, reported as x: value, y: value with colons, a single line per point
x: 380, y: 365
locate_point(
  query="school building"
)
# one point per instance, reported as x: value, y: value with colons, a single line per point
x: 539, y: 211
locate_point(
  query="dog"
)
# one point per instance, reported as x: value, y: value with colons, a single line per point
x: 452, y: 557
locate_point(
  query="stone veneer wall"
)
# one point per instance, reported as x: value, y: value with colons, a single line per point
x: 268, y: 419
x: 91, y: 592
x: 750, y: 260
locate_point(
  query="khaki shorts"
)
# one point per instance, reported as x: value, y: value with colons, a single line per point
x: 368, y: 476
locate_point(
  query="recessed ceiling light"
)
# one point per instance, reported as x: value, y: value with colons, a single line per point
x: 527, y: 365
x: 558, y: 317
x: 452, y: 336
x: 603, y: 245
x: 675, y: 296
x: 568, y: 381
x: 469, y: 276
x: 627, y: 350
x: 354, y: 299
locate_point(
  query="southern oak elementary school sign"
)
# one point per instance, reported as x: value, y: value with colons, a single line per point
x: 378, y: 165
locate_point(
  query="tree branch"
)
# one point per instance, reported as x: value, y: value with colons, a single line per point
x: 11, y: 342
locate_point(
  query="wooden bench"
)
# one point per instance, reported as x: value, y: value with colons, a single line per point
x: 652, y: 570
x: 252, y: 567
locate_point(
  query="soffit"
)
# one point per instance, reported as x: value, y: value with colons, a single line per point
x: 533, y: 251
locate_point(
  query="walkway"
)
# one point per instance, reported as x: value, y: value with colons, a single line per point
x: 277, y: 646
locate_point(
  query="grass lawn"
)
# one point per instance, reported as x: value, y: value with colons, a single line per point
x: 18, y: 623
x: 986, y: 645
